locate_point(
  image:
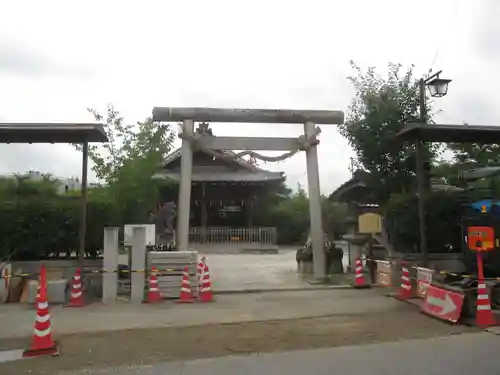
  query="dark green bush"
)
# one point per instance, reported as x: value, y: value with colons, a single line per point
x: 443, y: 222
x: 32, y: 229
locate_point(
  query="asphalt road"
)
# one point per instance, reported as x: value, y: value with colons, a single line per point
x: 466, y: 354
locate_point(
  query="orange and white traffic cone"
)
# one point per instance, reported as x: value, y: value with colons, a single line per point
x: 186, y: 295
x: 484, y: 315
x: 359, y: 275
x: 154, y: 295
x: 76, y: 296
x: 205, y: 294
x: 42, y: 343
x: 405, y: 291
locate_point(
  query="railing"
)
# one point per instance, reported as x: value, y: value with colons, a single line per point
x: 224, y: 235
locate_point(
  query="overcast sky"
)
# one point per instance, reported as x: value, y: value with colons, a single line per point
x: 59, y: 57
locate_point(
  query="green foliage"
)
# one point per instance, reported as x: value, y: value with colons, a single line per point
x: 37, y: 228
x: 128, y: 162
x: 474, y: 155
x: 334, y: 217
x: 291, y: 217
x: 22, y: 186
x: 289, y: 213
x: 443, y: 215
x: 380, y: 108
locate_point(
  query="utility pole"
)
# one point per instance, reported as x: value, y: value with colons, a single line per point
x: 420, y: 159
x: 438, y: 88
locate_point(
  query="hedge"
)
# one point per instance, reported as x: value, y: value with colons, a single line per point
x: 39, y: 228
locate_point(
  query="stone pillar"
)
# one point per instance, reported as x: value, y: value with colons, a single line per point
x: 319, y: 258
x: 138, y: 263
x: 110, y: 263
x: 184, y: 206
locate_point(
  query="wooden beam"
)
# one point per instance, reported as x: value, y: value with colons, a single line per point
x: 285, y: 116
x: 246, y: 143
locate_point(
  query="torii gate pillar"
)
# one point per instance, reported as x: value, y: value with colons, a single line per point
x: 309, y: 118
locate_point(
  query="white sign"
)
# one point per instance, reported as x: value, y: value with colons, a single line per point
x: 128, y: 233
x: 424, y: 278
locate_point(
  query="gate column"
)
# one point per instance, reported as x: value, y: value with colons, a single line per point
x: 319, y: 258
x: 184, y: 207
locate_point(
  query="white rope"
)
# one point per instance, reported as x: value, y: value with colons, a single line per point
x: 301, y: 145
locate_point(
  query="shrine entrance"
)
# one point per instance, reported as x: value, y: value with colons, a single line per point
x: 193, y: 142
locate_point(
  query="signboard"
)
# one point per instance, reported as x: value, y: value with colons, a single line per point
x: 424, y: 278
x: 369, y: 223
x: 480, y: 238
x: 443, y: 304
x: 129, y: 233
x: 383, y: 273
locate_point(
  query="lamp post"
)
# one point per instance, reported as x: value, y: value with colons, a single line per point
x: 438, y: 87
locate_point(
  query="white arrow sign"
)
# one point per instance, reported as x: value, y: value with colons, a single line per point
x: 447, y: 305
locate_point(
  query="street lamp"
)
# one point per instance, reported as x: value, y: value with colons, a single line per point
x: 438, y: 87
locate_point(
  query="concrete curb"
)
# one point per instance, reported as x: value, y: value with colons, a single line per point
x: 300, y: 289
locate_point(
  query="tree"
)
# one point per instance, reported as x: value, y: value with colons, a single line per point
x: 22, y: 186
x: 128, y: 162
x: 380, y: 108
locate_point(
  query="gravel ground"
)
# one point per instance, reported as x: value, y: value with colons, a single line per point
x: 147, y: 346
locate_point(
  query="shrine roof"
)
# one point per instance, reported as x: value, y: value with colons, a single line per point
x: 237, y: 170
x: 226, y: 155
x: 450, y: 133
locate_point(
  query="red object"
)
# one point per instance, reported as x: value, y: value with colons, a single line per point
x: 76, y: 296
x: 186, y: 295
x: 405, y: 291
x: 481, y: 238
x: 42, y: 343
x: 484, y: 315
x: 205, y: 294
x: 199, y: 271
x: 154, y: 295
x: 443, y: 304
x: 359, y: 275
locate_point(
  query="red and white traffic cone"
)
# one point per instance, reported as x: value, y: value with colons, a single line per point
x: 76, y: 296
x: 205, y: 294
x: 484, y: 315
x: 42, y: 343
x: 359, y: 275
x: 199, y: 271
x: 186, y: 295
x: 154, y: 295
x: 405, y: 291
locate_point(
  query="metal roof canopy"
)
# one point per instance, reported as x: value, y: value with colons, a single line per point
x: 51, y: 133
x: 60, y: 133
x: 450, y: 133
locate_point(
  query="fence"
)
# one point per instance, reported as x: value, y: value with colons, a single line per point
x: 224, y: 235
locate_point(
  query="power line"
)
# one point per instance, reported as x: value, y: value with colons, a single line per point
x: 440, y: 46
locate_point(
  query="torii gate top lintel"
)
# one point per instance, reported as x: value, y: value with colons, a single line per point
x: 246, y: 115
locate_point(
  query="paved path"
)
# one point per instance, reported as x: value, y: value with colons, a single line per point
x: 458, y: 355
x: 17, y: 320
x: 254, y: 271
x: 232, y: 272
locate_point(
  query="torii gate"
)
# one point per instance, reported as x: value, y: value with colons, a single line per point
x: 308, y: 143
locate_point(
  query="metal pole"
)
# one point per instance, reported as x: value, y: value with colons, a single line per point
x: 184, y: 206
x: 420, y: 159
x: 83, y: 209
x: 319, y: 258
